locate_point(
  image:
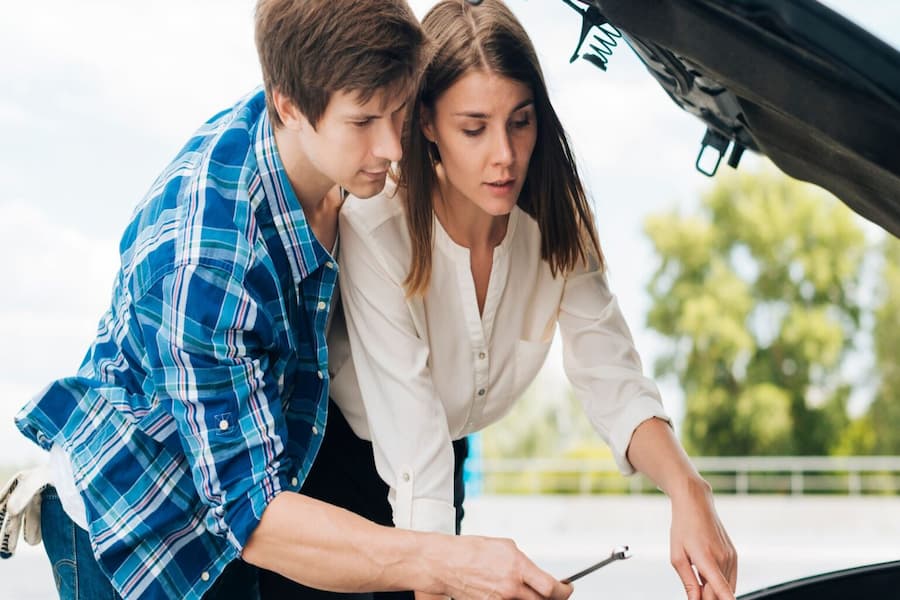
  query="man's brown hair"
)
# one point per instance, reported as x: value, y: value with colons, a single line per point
x: 310, y: 49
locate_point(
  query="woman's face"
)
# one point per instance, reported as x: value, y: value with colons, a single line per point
x: 485, y: 128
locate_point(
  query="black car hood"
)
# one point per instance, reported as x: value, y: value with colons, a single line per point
x: 790, y: 79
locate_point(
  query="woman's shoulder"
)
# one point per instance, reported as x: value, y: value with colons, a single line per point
x: 377, y: 225
x: 369, y: 214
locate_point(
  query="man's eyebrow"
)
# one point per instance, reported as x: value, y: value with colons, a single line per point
x: 369, y: 117
x: 481, y: 115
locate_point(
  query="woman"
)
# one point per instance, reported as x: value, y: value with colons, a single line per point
x: 454, y: 281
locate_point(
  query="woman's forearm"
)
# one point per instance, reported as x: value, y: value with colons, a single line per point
x: 656, y: 452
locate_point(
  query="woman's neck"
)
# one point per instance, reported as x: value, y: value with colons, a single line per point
x: 466, y: 223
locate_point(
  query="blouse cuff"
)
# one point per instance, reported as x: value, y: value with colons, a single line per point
x: 421, y: 514
x: 433, y: 515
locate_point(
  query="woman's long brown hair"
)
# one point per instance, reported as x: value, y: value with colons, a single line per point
x: 488, y: 37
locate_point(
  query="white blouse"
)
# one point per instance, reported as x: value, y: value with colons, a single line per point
x: 428, y: 370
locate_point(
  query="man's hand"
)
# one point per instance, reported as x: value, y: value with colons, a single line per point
x: 479, y: 568
x: 699, y: 540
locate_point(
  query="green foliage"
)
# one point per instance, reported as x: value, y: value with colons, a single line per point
x: 757, y: 293
x: 885, y: 409
x: 547, y: 422
x: 878, y: 431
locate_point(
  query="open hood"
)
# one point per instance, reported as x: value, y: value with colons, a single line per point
x: 790, y: 79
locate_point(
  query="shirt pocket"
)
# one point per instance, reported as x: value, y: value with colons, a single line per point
x: 529, y: 358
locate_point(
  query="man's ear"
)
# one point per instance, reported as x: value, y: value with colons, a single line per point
x: 291, y: 117
x: 426, y: 121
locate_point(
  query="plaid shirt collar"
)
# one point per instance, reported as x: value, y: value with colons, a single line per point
x: 298, y: 240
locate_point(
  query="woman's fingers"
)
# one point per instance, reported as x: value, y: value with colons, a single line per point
x: 715, y: 583
x: 682, y: 565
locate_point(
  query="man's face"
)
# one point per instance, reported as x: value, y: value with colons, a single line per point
x: 354, y: 142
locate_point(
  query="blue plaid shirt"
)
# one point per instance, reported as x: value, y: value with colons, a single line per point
x: 205, y: 391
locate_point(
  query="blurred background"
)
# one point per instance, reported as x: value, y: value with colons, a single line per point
x: 768, y: 311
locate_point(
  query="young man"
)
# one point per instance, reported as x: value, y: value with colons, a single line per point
x: 179, y: 450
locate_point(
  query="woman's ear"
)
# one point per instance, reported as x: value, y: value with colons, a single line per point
x: 426, y: 121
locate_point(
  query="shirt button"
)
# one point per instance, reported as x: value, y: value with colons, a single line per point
x: 321, y: 306
x: 482, y: 355
x: 329, y: 264
x: 482, y: 392
x: 223, y: 425
x: 320, y: 374
x: 204, y: 576
x: 406, y: 477
x: 295, y: 481
x: 315, y: 430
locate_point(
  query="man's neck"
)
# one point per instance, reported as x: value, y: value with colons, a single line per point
x: 309, y: 184
x: 311, y: 188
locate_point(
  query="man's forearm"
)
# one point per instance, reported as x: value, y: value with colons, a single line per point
x: 329, y: 548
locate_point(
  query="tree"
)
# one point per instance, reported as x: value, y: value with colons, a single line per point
x: 878, y: 430
x: 548, y: 421
x: 756, y: 294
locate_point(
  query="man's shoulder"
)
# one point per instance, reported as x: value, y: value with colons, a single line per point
x: 200, y: 209
x: 222, y: 144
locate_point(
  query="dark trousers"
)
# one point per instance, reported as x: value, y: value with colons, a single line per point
x: 344, y: 475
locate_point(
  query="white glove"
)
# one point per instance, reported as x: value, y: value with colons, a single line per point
x: 20, y: 509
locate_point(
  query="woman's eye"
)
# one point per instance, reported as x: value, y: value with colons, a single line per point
x: 522, y: 123
x: 473, y: 132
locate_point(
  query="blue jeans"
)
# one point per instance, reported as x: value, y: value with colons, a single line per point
x: 78, y: 575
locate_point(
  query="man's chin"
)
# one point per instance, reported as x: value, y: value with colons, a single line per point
x: 366, y: 189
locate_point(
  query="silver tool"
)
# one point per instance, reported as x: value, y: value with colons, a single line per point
x: 618, y: 553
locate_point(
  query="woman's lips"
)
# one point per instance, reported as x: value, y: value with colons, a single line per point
x: 501, y: 187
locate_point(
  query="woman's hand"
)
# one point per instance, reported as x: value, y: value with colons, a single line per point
x: 698, y: 540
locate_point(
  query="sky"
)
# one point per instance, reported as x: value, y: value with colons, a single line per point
x: 98, y: 95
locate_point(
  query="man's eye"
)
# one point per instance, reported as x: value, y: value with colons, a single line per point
x: 363, y: 123
x: 473, y: 132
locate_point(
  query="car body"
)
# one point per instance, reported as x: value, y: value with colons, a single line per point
x: 871, y: 581
x: 790, y: 79
x: 797, y: 82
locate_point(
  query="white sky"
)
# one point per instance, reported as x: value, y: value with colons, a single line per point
x: 98, y: 95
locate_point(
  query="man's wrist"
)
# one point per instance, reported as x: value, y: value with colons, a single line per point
x: 430, y: 553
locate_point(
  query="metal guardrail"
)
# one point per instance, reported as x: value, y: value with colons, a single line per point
x: 732, y: 474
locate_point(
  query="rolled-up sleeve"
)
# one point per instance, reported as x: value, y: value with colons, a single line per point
x: 207, y: 340
x: 602, y: 363
x: 406, y: 418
